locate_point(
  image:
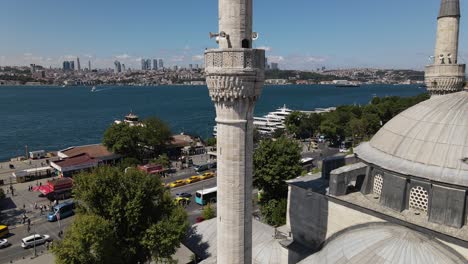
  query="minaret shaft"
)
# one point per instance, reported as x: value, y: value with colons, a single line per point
x: 446, y: 50
x: 234, y: 75
x: 235, y: 19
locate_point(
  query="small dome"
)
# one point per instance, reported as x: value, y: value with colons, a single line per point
x: 428, y: 140
x: 384, y: 243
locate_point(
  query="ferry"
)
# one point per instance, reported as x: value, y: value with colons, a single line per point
x: 131, y: 119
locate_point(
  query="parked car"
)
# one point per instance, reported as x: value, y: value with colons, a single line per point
x: 207, y: 175
x: 177, y: 183
x: 4, y: 243
x: 184, y: 194
x: 193, y: 179
x: 36, y: 239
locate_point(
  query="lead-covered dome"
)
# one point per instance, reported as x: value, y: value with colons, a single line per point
x: 384, y: 243
x: 428, y: 140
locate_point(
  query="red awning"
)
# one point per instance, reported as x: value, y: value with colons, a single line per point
x: 44, y: 189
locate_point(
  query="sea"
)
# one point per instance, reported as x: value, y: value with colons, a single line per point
x: 52, y: 118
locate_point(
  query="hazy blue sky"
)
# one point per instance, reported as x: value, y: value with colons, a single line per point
x: 301, y: 34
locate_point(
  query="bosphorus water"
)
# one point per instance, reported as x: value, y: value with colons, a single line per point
x: 53, y: 118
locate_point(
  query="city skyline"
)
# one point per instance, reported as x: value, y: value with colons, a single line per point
x: 308, y: 35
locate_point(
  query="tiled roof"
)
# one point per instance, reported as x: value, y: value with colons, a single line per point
x: 95, y: 151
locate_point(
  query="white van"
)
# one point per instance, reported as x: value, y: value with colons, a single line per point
x: 37, y: 239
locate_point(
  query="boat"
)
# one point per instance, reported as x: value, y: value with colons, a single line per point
x: 269, y: 123
x: 131, y: 119
x: 93, y: 89
x: 345, y: 83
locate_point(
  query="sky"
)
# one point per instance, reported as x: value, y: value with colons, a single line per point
x: 298, y: 34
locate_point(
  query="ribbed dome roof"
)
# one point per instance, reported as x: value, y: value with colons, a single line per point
x: 428, y: 140
x: 384, y: 243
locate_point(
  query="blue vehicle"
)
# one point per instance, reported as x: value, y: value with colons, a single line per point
x: 61, y: 211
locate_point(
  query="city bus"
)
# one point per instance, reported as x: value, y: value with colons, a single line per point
x: 61, y: 211
x: 203, y: 197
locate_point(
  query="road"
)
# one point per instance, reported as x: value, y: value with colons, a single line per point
x: 13, y: 205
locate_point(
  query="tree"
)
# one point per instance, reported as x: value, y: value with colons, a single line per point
x: 143, y: 219
x: 208, y: 212
x: 293, y: 122
x: 274, y: 211
x: 123, y: 139
x: 95, y: 237
x: 211, y: 142
x: 162, y: 160
x: 274, y: 163
x: 156, y: 136
x: 150, y: 139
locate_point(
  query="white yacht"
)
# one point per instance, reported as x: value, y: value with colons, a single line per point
x: 272, y: 121
x: 267, y: 124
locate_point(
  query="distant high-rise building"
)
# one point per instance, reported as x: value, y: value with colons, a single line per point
x: 148, y: 64
x: 123, y: 68
x: 66, y: 66
x: 145, y: 64
x: 196, y: 66
x: 274, y: 66
x: 78, y: 64
x: 89, y: 65
x: 175, y: 68
x: 190, y: 66
x: 161, y: 64
x: 117, y: 67
x: 155, y: 64
x: 72, y: 65
x: 33, y: 68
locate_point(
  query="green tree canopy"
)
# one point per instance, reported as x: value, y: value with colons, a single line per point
x: 274, y: 163
x: 149, y: 140
x: 139, y: 211
x: 89, y: 240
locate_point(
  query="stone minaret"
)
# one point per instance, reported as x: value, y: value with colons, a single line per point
x: 234, y: 75
x: 445, y: 75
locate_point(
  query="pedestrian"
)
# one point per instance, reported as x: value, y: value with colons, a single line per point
x: 35, y: 205
x: 29, y: 228
x: 40, y: 183
x: 29, y: 222
x: 24, y: 207
x: 40, y: 207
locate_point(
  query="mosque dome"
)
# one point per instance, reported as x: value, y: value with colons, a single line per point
x: 428, y: 140
x: 384, y: 243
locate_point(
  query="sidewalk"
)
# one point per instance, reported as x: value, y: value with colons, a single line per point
x: 46, y: 258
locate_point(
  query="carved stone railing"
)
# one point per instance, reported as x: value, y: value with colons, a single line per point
x: 233, y: 74
x: 445, y: 78
x: 235, y: 58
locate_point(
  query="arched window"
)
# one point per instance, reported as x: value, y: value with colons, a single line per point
x: 419, y: 199
x: 378, y: 184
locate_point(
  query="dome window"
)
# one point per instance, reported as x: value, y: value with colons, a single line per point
x: 419, y: 199
x: 378, y: 184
